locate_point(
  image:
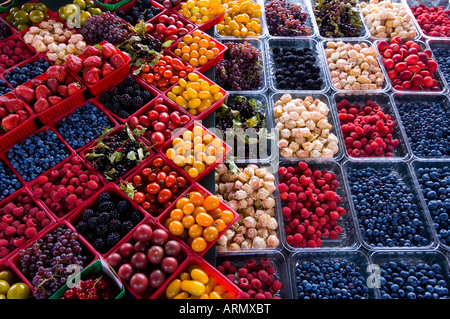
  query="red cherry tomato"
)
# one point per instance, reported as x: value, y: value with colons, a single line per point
x: 158, y: 162
x: 146, y: 205
x: 161, y: 178
x: 181, y: 181
x: 163, y: 82
x: 160, y: 108
x: 139, y: 197
x: 146, y: 172
x: 166, y: 169
x: 164, y: 117
x: 137, y: 180
x: 177, y: 65
x: 153, y: 188
x: 164, y: 195
x: 170, y: 180
x: 151, y: 178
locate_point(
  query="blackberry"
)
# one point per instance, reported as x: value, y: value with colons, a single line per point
x: 126, y: 227
x: 93, y: 223
x: 135, y: 217
x: 123, y: 206
x: 129, y: 81
x: 87, y: 214
x: 147, y: 96
x: 104, y: 197
x: 112, y: 239
x: 114, y: 214
x: 102, y: 229
x: 138, y: 101
x: 115, y: 225
x: 99, y: 244
x: 122, y: 114
x: 104, y: 217
x: 106, y: 207
x: 82, y: 227
x: 90, y: 237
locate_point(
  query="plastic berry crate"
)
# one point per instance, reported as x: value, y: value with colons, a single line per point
x: 93, y: 144
x: 211, y: 63
x: 386, y: 83
x: 93, y: 101
x: 209, y: 110
x: 277, y: 259
x: 275, y: 97
x: 112, y: 7
x: 437, y: 74
x: 91, y: 255
x: 359, y: 258
x: 35, y: 203
x: 349, y: 238
x: 42, y: 129
x: 206, y: 25
x: 107, y: 82
x: 312, y: 44
x: 179, y: 133
x: 411, y: 258
x: 18, y: 277
x: 210, y: 270
x: 100, y: 267
x: 50, y: 13
x: 30, y: 186
x: 144, y: 85
x: 199, y: 188
x: 184, y: 254
x: 127, y: 7
x: 146, y: 164
x: 387, y: 107
x: 8, y: 139
x: 62, y: 107
x: 23, y: 64
x: 402, y: 171
x: 75, y: 217
x: 18, y: 38
x: 9, y: 6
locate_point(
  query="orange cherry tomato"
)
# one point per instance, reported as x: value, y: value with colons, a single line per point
x: 176, y: 227
x: 220, y: 225
x: 199, y: 244
x: 227, y: 216
x: 195, y: 231
x: 196, y: 198
x: 188, y: 208
x: 211, y: 202
x: 188, y: 221
x: 204, y: 219
x: 176, y: 214
x: 210, y: 233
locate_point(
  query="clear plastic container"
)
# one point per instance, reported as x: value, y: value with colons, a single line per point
x: 438, y: 74
x: 278, y: 261
x: 277, y: 215
x: 403, y: 3
x: 364, y: 32
x: 386, y: 83
x: 349, y: 238
x: 412, y: 258
x: 260, y: 45
x: 266, y: 147
x: 403, y: 172
x: 399, y: 98
x: 274, y: 97
x: 262, y: 18
x: 423, y: 163
x: 306, y: 8
x: 360, y: 259
x: 387, y: 106
x: 429, y: 4
x: 443, y: 43
x: 283, y: 43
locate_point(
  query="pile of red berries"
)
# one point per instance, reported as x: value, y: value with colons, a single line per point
x: 434, y: 21
x: 20, y: 220
x: 311, y: 210
x: 256, y: 278
x: 96, y: 287
x: 367, y: 129
x: 408, y: 66
x: 66, y: 188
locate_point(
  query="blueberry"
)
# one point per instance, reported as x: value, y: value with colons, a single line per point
x: 8, y: 181
x: 18, y: 76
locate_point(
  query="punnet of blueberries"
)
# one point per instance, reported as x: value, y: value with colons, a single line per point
x: 296, y: 69
x: 404, y: 279
x: 426, y: 123
x: 9, y: 183
x: 441, y: 56
x: 386, y: 210
x: 37, y: 154
x: 333, y: 278
x: 18, y: 76
x: 4, y: 88
x: 434, y: 183
x: 83, y: 126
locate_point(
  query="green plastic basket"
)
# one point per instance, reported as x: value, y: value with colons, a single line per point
x: 13, y: 4
x: 98, y: 266
x: 113, y: 7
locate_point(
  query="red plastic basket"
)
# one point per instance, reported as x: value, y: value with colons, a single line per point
x: 111, y: 188
x: 107, y: 82
x: 62, y: 107
x: 57, y: 167
x: 24, y: 63
x: 17, y: 38
x: 35, y: 203
x: 93, y: 101
x: 10, y: 27
x: 18, y: 276
x: 8, y: 166
x: 27, y: 127
x: 197, y: 187
x: 184, y: 253
x: 127, y: 7
x: 211, y: 271
x: 212, y: 108
x: 207, y: 25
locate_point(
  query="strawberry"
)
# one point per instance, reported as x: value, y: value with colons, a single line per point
x: 41, y: 105
x: 26, y: 93
x: 117, y: 61
x: 3, y: 99
x: 108, y: 50
x: 93, y: 61
x: 14, y: 105
x: 62, y: 91
x: 53, y: 100
x: 69, y: 80
x: 91, y: 51
x: 73, y: 88
x: 92, y: 75
x: 107, y: 69
x: 36, y: 82
x: 59, y: 72
x: 10, y: 122
x: 74, y: 63
x: 53, y: 85
x: 42, y: 92
x: 3, y: 112
x: 23, y: 115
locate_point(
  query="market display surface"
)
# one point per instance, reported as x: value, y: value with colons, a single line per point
x: 322, y: 125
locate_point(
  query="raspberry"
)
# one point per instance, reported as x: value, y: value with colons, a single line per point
x: 71, y: 199
x: 92, y: 185
x: 62, y: 191
x: 3, y: 226
x: 231, y: 277
x: 277, y: 285
x: 242, y: 272
x: 262, y: 275
x: 42, y: 179
x: 259, y: 296
x: 243, y: 283
x: 226, y: 264
x: 4, y: 253
x: 30, y: 232
x: 40, y: 215
x: 18, y: 211
x: 84, y: 178
x: 267, y: 295
x: 255, y: 283
x: 31, y: 223
x: 38, y: 192
x: 8, y: 218
x: 10, y: 230
x: 47, y: 187
x: 21, y: 229
x: 270, y: 270
x: 45, y: 222
x: 19, y: 241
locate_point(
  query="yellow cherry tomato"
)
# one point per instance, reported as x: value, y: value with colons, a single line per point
x: 193, y: 287
x: 173, y: 288
x: 199, y: 275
